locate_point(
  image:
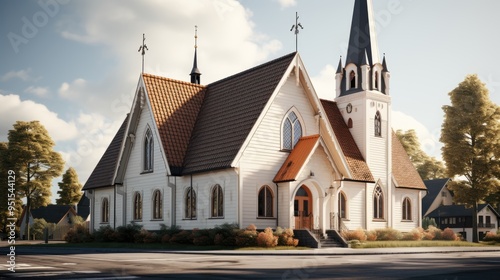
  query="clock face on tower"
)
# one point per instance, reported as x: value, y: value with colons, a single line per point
x: 348, y: 108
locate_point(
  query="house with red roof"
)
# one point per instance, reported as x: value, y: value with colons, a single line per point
x: 259, y: 147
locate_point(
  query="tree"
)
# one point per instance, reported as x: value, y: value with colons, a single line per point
x: 8, y: 196
x: 428, y: 167
x: 471, y: 137
x: 70, y: 188
x: 31, y: 155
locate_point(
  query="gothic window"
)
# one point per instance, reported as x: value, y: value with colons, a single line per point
x: 265, y: 203
x: 292, y: 131
x: 157, y: 205
x: 342, y: 205
x: 349, y: 123
x: 378, y: 203
x: 148, y: 151
x: 407, y: 209
x: 217, y: 202
x: 105, y: 211
x: 190, y: 204
x: 137, y: 206
x: 352, y: 79
x: 376, y: 81
x: 378, y: 125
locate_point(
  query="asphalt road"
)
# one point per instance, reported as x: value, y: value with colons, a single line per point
x: 53, y: 263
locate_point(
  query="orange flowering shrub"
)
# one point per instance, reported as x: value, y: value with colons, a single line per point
x: 267, y: 238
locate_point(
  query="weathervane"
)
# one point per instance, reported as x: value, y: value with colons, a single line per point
x: 144, y: 48
x: 296, y: 27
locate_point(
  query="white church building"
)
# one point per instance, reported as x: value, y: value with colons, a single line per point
x: 261, y: 148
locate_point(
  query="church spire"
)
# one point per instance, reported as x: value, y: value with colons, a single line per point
x: 362, y: 37
x: 195, y: 72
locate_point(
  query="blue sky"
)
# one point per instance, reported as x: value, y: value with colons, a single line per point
x: 74, y: 65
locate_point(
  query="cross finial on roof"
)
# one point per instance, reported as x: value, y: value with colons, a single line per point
x: 296, y: 27
x: 195, y: 72
x: 143, y: 47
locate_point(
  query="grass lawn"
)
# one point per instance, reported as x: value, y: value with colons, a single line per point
x: 423, y: 243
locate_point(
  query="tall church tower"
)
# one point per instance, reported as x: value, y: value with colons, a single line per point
x: 362, y: 94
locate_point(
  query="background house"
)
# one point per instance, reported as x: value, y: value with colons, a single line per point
x: 438, y: 204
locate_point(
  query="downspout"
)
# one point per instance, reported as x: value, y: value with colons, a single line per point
x: 277, y: 205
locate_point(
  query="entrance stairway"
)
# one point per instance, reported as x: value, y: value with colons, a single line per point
x: 315, y: 239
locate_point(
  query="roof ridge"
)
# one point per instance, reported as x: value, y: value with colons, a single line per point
x: 173, y: 80
x: 253, y: 68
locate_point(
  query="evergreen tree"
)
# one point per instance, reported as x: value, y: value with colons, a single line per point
x: 428, y: 167
x: 70, y: 188
x: 471, y: 137
x: 30, y: 154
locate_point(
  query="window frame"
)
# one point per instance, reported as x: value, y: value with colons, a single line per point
x: 342, y: 206
x: 267, y: 205
x: 378, y: 203
x: 148, y: 152
x: 190, y: 204
x: 377, y: 122
x: 157, y: 210
x: 217, y: 202
x: 137, y: 209
x: 105, y: 210
x: 296, y: 130
x: 406, y: 207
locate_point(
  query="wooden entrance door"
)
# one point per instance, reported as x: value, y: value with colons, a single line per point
x: 302, y: 208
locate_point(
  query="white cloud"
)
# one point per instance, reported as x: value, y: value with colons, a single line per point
x: 21, y: 74
x: 324, y: 84
x: 38, y: 91
x: 13, y: 109
x: 72, y: 90
x: 429, y: 140
x: 287, y: 3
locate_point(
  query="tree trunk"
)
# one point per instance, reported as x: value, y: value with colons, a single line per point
x: 475, y: 236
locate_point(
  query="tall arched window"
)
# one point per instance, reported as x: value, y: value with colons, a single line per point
x: 148, y: 151
x: 375, y: 80
x: 352, y: 80
x: 137, y: 206
x: 105, y: 210
x: 157, y: 205
x: 217, y: 202
x: 378, y: 203
x: 292, y: 131
x: 407, y: 209
x: 190, y: 204
x: 265, y: 202
x: 342, y: 205
x: 378, y: 124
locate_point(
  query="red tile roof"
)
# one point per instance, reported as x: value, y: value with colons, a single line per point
x: 175, y: 105
x: 402, y: 169
x: 296, y: 159
x: 357, y: 164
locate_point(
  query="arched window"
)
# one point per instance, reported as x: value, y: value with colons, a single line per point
x: 217, y: 202
x: 375, y: 80
x: 378, y: 203
x: 190, y: 204
x: 105, y: 210
x: 378, y: 124
x: 342, y: 205
x: 157, y: 205
x: 292, y: 131
x: 352, y: 80
x: 148, y: 151
x: 349, y: 123
x: 137, y: 206
x: 265, y: 202
x: 407, y: 209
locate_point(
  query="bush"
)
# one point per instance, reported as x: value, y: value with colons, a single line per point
x: 78, y: 234
x: 490, y: 236
x: 387, y: 234
x: 127, y: 233
x: 449, y: 234
x: 358, y: 234
x: 426, y: 222
x: 145, y: 236
x: 183, y: 237
x: 104, y: 234
x: 435, y: 233
x: 246, y: 237
x: 371, y: 235
x: 285, y: 237
x: 203, y: 237
x: 164, y: 229
x: 267, y: 238
x: 165, y: 238
x: 414, y: 235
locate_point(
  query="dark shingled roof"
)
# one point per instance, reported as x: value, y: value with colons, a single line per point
x: 229, y: 111
x: 403, y: 169
x: 444, y: 211
x: 51, y: 213
x: 434, y: 188
x: 103, y: 173
x: 361, y: 37
x: 357, y: 164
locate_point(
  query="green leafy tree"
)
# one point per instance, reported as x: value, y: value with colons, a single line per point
x: 8, y: 195
x: 471, y: 137
x: 31, y: 155
x: 428, y: 167
x: 70, y: 188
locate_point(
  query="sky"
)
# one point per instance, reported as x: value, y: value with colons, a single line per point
x: 74, y: 65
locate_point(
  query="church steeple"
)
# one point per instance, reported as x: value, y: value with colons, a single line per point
x: 195, y: 72
x: 363, y: 68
